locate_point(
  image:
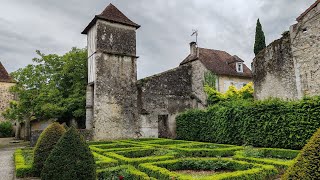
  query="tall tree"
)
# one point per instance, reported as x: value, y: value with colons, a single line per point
x: 260, y: 41
x: 53, y: 87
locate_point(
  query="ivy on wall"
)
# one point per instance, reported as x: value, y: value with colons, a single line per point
x: 210, y: 79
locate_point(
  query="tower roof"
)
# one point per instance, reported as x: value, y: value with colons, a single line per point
x: 4, y: 76
x: 111, y: 14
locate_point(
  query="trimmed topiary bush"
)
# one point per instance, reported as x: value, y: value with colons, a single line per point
x: 70, y: 159
x: 307, y: 164
x: 46, y: 142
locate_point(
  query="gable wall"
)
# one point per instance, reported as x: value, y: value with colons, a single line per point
x: 305, y: 40
x: 165, y: 94
x: 5, y: 97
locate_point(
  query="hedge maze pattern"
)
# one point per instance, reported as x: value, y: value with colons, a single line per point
x: 168, y: 159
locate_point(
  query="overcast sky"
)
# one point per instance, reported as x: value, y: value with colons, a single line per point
x: 54, y: 26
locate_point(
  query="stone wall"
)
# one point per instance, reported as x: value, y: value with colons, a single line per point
x: 289, y: 68
x: 198, y: 71
x: 5, y: 97
x: 273, y: 71
x: 111, y: 106
x: 160, y: 98
x: 115, y: 97
x: 305, y: 40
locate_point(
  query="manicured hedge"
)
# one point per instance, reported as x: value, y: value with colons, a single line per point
x: 281, y: 158
x: 269, y: 123
x: 206, y: 152
x: 125, y: 171
x: 23, y: 163
x: 104, y: 162
x: 307, y: 164
x: 242, y: 170
x: 143, y: 155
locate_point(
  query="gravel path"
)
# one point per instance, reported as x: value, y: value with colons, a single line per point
x: 6, y: 164
x: 6, y: 157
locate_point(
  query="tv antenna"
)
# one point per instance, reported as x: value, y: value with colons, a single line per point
x: 195, y: 33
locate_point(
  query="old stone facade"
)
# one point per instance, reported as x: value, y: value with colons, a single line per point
x: 289, y: 68
x: 5, y: 95
x: 120, y: 106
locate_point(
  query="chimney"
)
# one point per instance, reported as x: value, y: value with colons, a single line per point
x: 193, y: 48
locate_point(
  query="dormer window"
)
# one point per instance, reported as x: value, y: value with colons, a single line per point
x: 239, y: 67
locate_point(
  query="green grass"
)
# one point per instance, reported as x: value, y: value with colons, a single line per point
x: 166, y: 158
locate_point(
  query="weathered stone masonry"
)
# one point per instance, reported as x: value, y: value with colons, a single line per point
x: 289, y: 68
x: 5, y: 95
x: 112, y: 92
x: 160, y: 98
x: 118, y: 106
x: 273, y: 71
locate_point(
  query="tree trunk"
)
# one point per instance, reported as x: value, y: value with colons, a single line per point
x: 18, y: 130
x: 27, y: 130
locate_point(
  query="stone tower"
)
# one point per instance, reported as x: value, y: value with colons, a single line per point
x: 111, y: 105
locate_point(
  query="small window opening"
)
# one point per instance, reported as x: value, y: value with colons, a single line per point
x: 304, y: 30
x: 239, y: 67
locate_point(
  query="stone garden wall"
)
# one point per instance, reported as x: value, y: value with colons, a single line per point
x: 289, y: 68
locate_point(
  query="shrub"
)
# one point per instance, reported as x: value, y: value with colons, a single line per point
x: 241, y: 170
x: 70, y: 159
x: 214, y: 96
x: 6, y: 129
x: 23, y: 163
x: 270, y: 123
x: 46, y: 142
x: 207, y: 152
x: 307, y: 164
x: 103, y: 162
x: 281, y: 158
x: 125, y: 171
x: 142, y: 156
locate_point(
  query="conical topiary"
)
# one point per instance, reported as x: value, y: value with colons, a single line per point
x: 307, y: 164
x: 70, y: 159
x: 46, y: 142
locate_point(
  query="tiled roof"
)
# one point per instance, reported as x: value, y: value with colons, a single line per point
x: 308, y: 10
x: 4, y: 76
x: 219, y: 62
x: 112, y: 14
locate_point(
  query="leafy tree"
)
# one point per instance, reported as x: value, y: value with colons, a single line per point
x: 70, y: 159
x: 53, y: 87
x: 46, y: 142
x: 260, y: 42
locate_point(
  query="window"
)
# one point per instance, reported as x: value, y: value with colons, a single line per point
x: 239, y: 67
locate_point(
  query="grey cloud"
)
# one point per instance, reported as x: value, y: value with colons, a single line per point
x: 54, y: 26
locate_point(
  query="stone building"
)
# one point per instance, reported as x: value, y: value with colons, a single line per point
x: 5, y: 96
x: 289, y: 67
x: 120, y: 106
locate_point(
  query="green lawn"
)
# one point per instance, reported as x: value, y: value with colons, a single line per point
x: 177, y: 159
